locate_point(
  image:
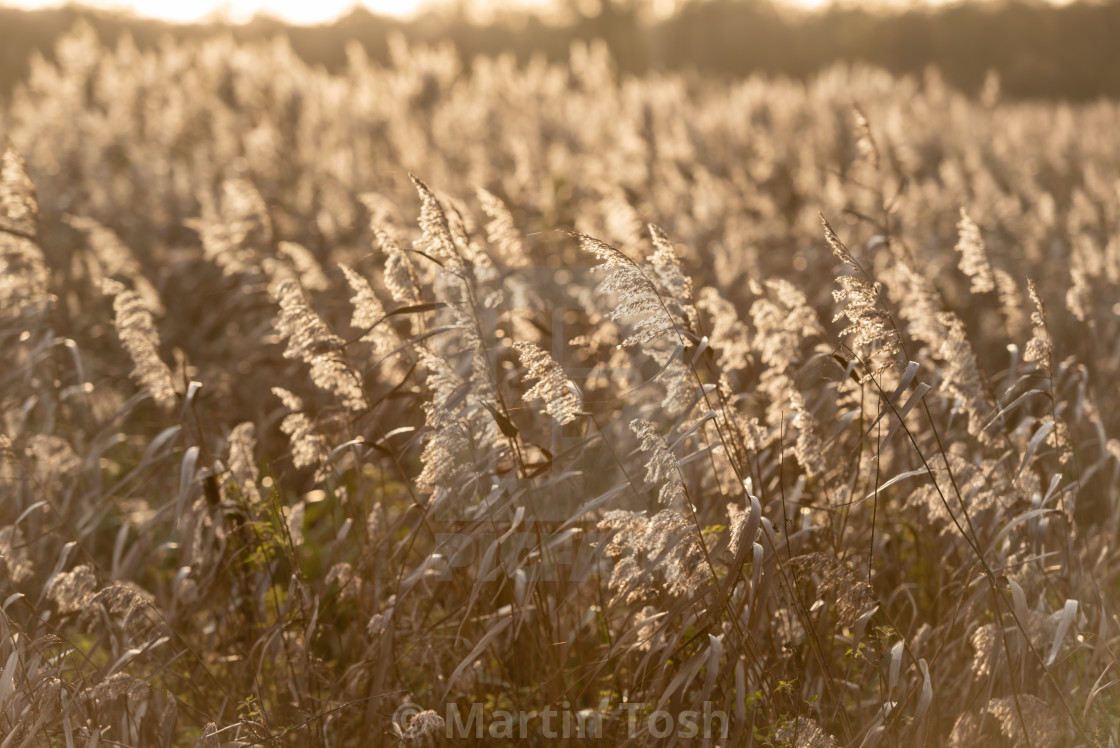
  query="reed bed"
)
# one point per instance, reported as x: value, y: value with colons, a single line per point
x: 334, y: 406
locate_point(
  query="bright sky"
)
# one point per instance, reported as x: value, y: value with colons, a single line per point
x: 309, y: 11
x: 294, y: 11
x: 321, y: 11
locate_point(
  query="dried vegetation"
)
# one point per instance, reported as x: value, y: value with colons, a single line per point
x: 291, y: 437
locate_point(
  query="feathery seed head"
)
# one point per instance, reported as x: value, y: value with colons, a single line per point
x: 561, y: 397
x: 138, y: 335
x: 662, y: 466
x: 974, y: 255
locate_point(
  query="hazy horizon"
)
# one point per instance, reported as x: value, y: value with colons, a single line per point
x: 303, y: 12
x: 239, y: 11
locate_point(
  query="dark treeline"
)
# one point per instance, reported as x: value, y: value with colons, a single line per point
x: 1038, y: 50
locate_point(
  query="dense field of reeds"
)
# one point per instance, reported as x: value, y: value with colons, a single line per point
x: 337, y: 407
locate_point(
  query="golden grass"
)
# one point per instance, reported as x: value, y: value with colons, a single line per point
x: 392, y: 447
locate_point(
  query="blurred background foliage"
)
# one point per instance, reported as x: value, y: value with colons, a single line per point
x: 1038, y: 50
